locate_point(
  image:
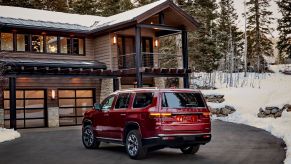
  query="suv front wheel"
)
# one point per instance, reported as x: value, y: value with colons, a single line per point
x: 89, y: 139
x: 190, y: 149
x: 133, y: 145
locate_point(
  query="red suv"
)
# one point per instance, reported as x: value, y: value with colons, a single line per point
x: 149, y: 119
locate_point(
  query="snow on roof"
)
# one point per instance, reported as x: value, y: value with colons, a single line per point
x: 48, y: 16
x: 127, y: 15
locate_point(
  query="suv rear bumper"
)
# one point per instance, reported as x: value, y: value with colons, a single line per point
x: 177, y: 140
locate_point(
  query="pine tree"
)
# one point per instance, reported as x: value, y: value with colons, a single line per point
x: 284, y: 27
x: 17, y: 3
x: 203, y: 45
x: 259, y: 44
x: 112, y: 7
x: 228, y: 30
x: 88, y: 7
x: 55, y: 5
x: 143, y: 2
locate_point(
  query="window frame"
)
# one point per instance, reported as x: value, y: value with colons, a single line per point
x: 153, y: 93
x: 128, y: 101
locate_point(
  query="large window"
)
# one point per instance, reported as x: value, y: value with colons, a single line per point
x: 42, y: 44
x: 51, y: 44
x: 7, y: 41
x: 73, y: 104
x: 23, y: 42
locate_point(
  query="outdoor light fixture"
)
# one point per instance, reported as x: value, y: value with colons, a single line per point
x: 114, y: 39
x: 53, y: 94
x: 156, y: 43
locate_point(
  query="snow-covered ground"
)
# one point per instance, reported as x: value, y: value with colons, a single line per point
x: 8, y: 134
x: 262, y: 90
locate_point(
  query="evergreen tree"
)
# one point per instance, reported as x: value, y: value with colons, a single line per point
x: 112, y: 7
x: 203, y: 44
x: 143, y: 2
x: 228, y: 31
x: 88, y: 7
x: 284, y: 27
x: 55, y: 5
x: 259, y: 20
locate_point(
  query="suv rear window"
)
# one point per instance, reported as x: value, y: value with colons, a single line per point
x: 182, y: 100
x: 142, y: 100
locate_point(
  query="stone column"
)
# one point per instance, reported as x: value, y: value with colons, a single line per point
x: 53, y: 117
x: 1, y: 118
x: 106, y: 88
x: 159, y: 82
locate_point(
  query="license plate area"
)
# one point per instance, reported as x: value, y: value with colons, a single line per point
x: 186, y: 118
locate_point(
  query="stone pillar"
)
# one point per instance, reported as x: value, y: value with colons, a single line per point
x: 53, y: 117
x: 106, y: 88
x: 1, y: 118
x: 160, y: 82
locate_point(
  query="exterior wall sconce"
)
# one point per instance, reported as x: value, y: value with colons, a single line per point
x: 114, y: 40
x: 156, y: 43
x: 53, y: 94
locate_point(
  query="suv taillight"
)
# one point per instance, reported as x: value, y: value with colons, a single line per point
x: 158, y: 115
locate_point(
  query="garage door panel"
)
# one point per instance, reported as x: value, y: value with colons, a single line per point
x: 30, y: 108
x: 72, y: 105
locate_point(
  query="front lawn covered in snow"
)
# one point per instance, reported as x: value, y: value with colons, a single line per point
x: 8, y: 134
x: 250, y: 93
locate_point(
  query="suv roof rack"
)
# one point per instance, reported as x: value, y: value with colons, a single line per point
x: 129, y: 89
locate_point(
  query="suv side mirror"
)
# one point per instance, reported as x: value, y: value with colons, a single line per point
x: 97, y: 106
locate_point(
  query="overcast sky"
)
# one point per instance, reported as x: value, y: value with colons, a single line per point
x: 239, y: 5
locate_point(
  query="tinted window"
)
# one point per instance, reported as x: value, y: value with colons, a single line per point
x: 142, y: 100
x: 122, y: 101
x: 181, y: 100
x: 107, y: 103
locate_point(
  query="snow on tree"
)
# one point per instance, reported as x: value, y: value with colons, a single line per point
x: 284, y: 27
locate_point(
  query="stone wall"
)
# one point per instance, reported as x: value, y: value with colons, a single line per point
x: 1, y: 118
x: 159, y: 82
x: 53, y: 117
x: 106, y: 88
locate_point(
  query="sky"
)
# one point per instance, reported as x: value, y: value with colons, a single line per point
x: 239, y: 6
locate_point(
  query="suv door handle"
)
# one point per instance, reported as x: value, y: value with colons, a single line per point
x: 123, y: 114
x: 106, y: 114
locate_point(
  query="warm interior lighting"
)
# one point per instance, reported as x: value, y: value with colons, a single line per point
x: 156, y: 43
x: 53, y: 94
x: 114, y: 39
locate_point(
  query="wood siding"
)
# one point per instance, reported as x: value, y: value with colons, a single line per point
x: 103, y: 50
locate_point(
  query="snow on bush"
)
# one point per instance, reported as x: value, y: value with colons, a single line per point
x: 270, y: 90
x: 8, y: 134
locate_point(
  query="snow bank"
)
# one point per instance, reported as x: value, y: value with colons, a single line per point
x: 8, y: 134
x: 274, y: 90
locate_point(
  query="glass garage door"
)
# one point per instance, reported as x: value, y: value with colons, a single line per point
x: 73, y: 104
x: 31, y: 109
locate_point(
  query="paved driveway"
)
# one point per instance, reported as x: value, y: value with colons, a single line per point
x: 231, y: 143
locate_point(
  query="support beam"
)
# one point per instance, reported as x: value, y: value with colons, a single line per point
x: 116, y: 84
x: 160, y: 27
x: 138, y: 56
x: 185, y: 57
x: 12, y: 93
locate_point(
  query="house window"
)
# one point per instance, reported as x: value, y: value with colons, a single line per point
x: 37, y: 43
x: 23, y: 42
x: 78, y: 46
x: 52, y: 44
x: 7, y: 41
x: 65, y: 46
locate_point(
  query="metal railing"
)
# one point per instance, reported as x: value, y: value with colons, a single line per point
x: 151, y: 60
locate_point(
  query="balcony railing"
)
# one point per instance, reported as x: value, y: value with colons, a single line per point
x: 152, y: 60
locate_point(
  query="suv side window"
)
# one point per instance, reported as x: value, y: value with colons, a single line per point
x: 122, y: 101
x: 107, y: 103
x: 182, y: 100
x: 142, y: 100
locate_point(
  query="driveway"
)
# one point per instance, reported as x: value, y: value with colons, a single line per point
x: 231, y: 143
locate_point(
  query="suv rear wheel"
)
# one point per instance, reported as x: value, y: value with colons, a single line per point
x: 89, y: 139
x: 133, y: 145
x: 190, y: 149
